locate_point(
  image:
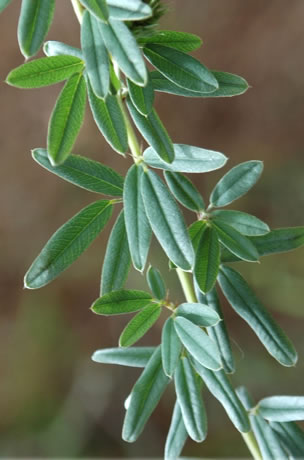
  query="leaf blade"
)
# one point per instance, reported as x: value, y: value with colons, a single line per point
x: 98, y: 8
x: 220, y: 387
x: 207, y: 260
x: 130, y: 10
x: 235, y: 183
x: 109, y: 119
x: 246, y: 304
x: 123, y: 47
x: 282, y: 408
x: 188, y: 159
x: 171, y: 347
x: 117, y: 258
x: 44, y: 71
x: 190, y: 401
x: 182, y: 69
x: 182, y: 41
x: 156, y: 283
x: 83, y: 172
x: 139, y: 231
x: 233, y: 240
x: 134, y: 357
x: 229, y: 85
x: 67, y: 243
x: 198, y: 344
x: 33, y: 25
x: 121, y: 301
x: 177, y: 434
x: 95, y: 55
x: 145, y: 396
x: 166, y: 221
x: 184, y: 191
x: 66, y: 119
x: 139, y: 325
x: 244, y: 223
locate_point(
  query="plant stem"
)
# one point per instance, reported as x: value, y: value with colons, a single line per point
x: 78, y: 9
x: 187, y: 285
x: 132, y: 139
x: 252, y: 445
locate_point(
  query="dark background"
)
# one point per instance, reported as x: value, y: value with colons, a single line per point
x: 54, y: 401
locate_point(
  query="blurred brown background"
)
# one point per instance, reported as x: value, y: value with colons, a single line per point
x: 54, y: 401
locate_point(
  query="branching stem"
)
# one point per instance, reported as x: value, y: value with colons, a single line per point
x: 184, y: 277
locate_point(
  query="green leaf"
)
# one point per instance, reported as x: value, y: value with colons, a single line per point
x: 177, y: 435
x: 195, y: 231
x: 117, y: 259
x: 4, y: 4
x: 166, y: 221
x: 291, y: 436
x: 184, y: 191
x: 276, y: 241
x: 236, y: 183
x: 98, y: 8
x: 221, y: 388
x: 132, y: 357
x: 109, y: 119
x: 138, y: 228
x: 218, y: 333
x: 121, y: 301
x: 187, y: 159
x: 171, y: 347
x: 95, y: 55
x: 198, y: 313
x: 154, y: 132
x: 181, y: 41
x: 180, y: 68
x: 233, y: 240
x: 139, y: 325
x: 242, y: 222
x: 44, y: 71
x: 66, y: 119
x: 156, y: 283
x: 282, y: 408
x: 68, y: 243
x: 129, y: 10
x: 55, y: 48
x: 198, y: 344
x: 83, y: 172
x: 229, y: 85
x: 246, y: 304
x: 34, y: 23
x: 189, y: 398
x: 142, y: 97
x: 145, y: 396
x: 122, y: 45
x: 207, y: 260
x: 279, y: 240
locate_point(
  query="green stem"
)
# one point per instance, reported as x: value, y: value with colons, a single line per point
x: 132, y: 139
x: 78, y: 9
x: 187, y: 285
x: 252, y: 445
